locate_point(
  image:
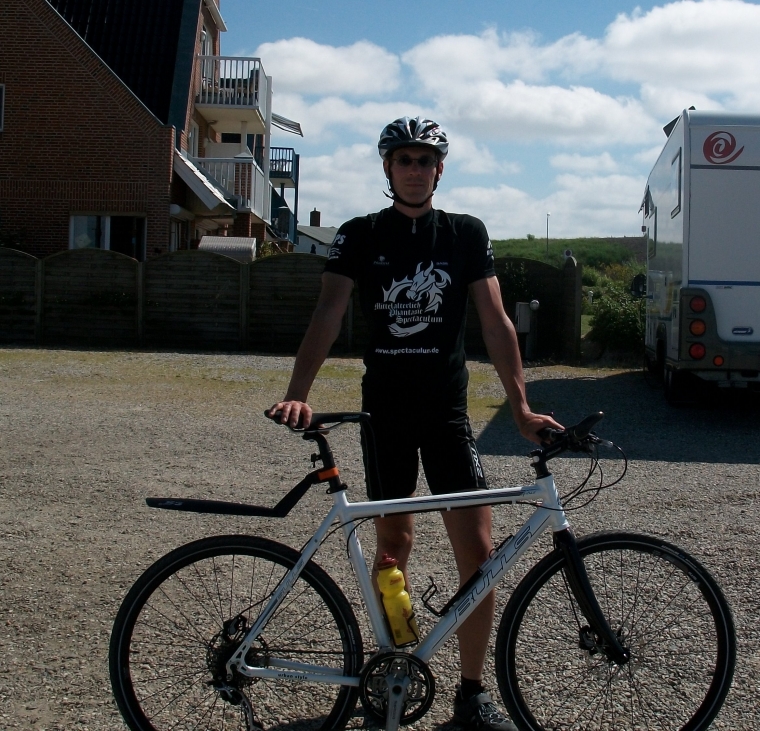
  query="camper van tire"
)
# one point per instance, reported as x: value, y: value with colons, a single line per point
x: 679, y: 388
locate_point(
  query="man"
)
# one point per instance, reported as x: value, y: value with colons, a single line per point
x: 415, y: 267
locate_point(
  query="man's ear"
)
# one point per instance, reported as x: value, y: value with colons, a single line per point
x: 386, y: 167
x: 439, y: 173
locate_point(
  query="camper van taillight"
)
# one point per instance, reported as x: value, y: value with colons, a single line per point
x: 697, y: 327
x: 698, y: 304
x: 697, y: 351
x: 718, y: 360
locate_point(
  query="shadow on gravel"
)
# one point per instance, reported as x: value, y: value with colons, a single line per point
x: 724, y: 430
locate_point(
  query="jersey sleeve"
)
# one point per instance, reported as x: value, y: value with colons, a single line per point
x: 343, y: 257
x: 480, y: 263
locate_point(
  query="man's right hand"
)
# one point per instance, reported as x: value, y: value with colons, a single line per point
x: 293, y: 413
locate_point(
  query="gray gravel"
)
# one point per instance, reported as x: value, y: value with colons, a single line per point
x: 85, y: 436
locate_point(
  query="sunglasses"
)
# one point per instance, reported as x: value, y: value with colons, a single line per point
x: 424, y: 161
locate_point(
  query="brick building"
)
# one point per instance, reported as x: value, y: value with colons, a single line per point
x: 122, y: 127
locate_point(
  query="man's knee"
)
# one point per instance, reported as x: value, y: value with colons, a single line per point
x: 395, y: 536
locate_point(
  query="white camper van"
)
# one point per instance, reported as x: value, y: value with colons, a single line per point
x: 702, y: 223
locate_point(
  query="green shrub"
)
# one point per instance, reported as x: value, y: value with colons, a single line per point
x: 617, y: 322
x: 590, y: 277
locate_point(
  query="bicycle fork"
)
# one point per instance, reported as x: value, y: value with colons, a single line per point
x: 580, y: 586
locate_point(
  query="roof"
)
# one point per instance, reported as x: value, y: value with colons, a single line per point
x: 149, y: 45
x: 209, y: 194
x: 322, y: 234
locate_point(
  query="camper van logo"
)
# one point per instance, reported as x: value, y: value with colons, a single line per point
x: 720, y: 148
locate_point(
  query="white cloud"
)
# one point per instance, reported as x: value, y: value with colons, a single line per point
x: 667, y: 101
x: 579, y: 115
x: 581, y: 206
x: 334, y: 117
x: 683, y: 53
x: 303, y: 66
x: 708, y: 46
x: 474, y: 159
x: 348, y: 182
x: 584, y: 164
x: 599, y: 102
x: 460, y: 59
x: 648, y: 157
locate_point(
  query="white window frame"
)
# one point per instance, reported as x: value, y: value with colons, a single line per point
x: 106, y: 230
x: 193, y: 139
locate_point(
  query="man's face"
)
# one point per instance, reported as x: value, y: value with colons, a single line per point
x: 414, y: 171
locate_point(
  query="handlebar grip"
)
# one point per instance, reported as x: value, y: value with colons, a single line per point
x: 580, y: 431
x: 549, y: 435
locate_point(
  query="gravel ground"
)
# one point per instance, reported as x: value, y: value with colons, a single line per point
x: 85, y: 436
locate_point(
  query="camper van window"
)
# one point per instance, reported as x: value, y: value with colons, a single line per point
x: 675, y: 183
x: 652, y: 234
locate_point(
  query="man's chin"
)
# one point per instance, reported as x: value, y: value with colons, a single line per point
x: 416, y: 197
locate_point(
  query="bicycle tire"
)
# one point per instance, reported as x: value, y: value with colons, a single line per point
x: 167, y: 643
x: 664, y: 606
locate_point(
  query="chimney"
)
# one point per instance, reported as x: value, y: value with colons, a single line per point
x: 314, y: 218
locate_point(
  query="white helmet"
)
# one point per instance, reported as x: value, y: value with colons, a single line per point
x: 417, y: 132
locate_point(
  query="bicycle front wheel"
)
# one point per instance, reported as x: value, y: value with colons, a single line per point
x: 184, y: 617
x: 662, y: 604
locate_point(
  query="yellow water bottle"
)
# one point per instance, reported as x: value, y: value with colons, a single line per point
x: 398, y: 605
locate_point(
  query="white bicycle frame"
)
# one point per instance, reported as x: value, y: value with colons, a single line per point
x: 548, y: 514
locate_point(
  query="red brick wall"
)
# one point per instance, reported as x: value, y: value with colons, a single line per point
x: 75, y: 140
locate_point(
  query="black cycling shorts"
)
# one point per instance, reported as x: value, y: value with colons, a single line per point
x: 398, y: 439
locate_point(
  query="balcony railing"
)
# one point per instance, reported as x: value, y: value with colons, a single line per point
x: 243, y: 179
x: 281, y: 161
x: 232, y: 82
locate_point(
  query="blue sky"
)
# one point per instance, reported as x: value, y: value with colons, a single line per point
x: 550, y: 106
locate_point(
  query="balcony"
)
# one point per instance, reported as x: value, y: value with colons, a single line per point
x: 231, y: 90
x: 283, y: 167
x: 243, y: 180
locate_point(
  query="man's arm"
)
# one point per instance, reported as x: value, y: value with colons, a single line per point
x: 501, y: 342
x: 322, y: 332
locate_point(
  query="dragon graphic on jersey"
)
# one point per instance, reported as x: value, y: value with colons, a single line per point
x: 424, y: 288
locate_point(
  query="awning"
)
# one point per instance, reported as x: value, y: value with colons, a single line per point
x: 209, y: 194
x: 286, y: 125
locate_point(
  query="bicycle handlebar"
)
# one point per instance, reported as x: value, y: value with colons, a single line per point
x: 323, y: 422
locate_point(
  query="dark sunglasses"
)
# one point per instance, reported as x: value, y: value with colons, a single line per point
x: 424, y: 161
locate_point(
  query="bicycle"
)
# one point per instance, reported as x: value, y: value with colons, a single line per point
x: 616, y: 630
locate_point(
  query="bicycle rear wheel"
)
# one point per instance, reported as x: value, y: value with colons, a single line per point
x: 662, y: 604
x: 180, y: 622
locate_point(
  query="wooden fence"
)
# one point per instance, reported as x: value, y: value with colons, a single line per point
x: 202, y: 300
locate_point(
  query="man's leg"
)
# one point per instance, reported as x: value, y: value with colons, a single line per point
x: 470, y: 535
x: 395, y: 536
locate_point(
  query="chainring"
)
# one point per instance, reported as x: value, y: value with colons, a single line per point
x: 373, y: 686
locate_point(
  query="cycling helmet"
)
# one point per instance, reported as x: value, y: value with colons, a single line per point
x: 417, y: 132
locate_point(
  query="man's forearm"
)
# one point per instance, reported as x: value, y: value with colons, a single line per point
x: 504, y: 351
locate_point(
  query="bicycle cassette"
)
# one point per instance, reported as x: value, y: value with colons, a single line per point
x: 381, y: 670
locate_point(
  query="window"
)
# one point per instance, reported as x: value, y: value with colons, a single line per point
x: 178, y: 235
x: 125, y: 234
x: 234, y: 137
x: 192, y: 139
x: 652, y: 234
x: 2, y: 105
x: 675, y: 184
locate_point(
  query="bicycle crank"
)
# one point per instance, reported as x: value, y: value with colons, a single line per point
x: 397, y: 681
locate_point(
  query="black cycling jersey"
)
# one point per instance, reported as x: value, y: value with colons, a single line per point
x: 413, y: 277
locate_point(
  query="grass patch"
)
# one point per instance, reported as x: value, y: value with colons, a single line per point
x: 591, y: 252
